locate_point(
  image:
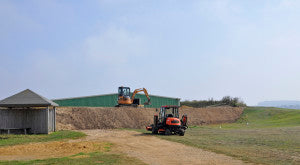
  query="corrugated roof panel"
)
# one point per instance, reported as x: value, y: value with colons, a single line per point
x: 26, y: 98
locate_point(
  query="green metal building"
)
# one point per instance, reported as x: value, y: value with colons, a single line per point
x: 110, y: 100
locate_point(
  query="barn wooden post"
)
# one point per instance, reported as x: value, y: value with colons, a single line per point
x: 47, y: 119
x: 54, y: 119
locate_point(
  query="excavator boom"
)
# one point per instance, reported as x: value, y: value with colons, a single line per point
x: 146, y: 94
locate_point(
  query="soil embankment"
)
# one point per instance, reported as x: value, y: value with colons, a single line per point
x: 125, y: 117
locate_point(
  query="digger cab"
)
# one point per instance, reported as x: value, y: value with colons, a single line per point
x: 124, y: 96
x: 124, y: 91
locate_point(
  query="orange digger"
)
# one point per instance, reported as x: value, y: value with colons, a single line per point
x: 168, y: 122
x: 125, y: 100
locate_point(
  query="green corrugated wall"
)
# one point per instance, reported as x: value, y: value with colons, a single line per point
x: 157, y: 101
x: 111, y: 101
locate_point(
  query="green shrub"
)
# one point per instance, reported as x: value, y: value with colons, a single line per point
x: 226, y: 100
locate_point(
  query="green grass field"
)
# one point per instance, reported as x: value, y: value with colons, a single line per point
x: 6, y: 140
x: 272, y: 136
x: 88, y: 158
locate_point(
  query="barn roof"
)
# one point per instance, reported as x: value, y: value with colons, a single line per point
x: 26, y: 98
x: 68, y: 98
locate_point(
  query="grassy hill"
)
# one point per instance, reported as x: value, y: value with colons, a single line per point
x: 262, y: 135
x: 268, y: 117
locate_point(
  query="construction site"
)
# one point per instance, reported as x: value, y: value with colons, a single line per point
x: 103, y: 118
x: 133, y: 127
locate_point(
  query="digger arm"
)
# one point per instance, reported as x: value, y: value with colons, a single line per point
x: 146, y: 94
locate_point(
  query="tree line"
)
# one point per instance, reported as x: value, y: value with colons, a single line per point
x: 226, y: 100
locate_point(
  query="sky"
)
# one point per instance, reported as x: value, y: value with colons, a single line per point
x: 193, y: 50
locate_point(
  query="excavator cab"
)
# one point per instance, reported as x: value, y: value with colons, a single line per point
x: 124, y: 91
x: 124, y: 96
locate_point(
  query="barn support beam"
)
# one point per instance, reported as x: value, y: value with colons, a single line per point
x: 47, y: 119
x: 54, y: 122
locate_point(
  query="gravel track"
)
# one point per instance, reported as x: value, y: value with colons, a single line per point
x: 155, y: 151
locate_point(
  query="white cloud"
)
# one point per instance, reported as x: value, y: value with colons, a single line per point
x: 64, y: 70
x: 288, y: 4
x: 114, y: 46
x: 224, y: 11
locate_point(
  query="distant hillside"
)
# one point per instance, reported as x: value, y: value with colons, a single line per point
x: 281, y: 104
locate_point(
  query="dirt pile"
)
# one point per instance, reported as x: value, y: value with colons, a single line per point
x: 212, y: 115
x: 125, y: 117
x: 103, y: 118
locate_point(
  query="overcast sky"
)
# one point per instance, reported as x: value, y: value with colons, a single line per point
x: 186, y: 49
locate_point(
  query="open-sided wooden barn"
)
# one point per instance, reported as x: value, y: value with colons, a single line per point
x: 27, y: 112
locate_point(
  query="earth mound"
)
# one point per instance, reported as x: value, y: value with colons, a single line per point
x: 128, y: 117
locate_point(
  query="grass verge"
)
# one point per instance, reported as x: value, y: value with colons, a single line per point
x: 261, y: 135
x: 8, y: 140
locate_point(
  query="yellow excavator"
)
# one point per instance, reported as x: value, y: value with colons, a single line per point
x: 125, y: 100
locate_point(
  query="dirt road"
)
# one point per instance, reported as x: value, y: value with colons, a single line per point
x: 153, y: 150
x: 146, y: 147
